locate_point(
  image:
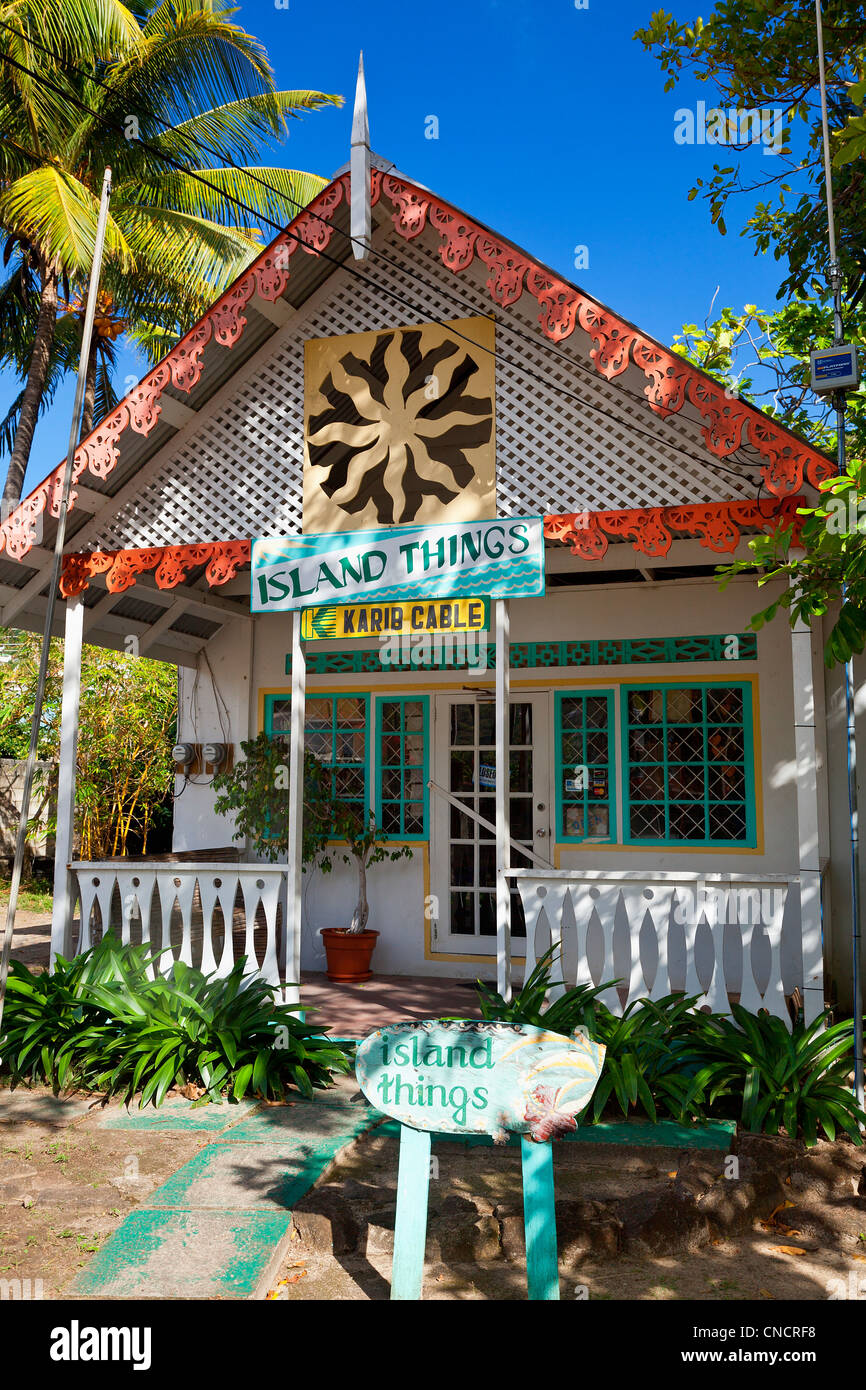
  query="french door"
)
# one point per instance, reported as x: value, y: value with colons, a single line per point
x: 463, y: 853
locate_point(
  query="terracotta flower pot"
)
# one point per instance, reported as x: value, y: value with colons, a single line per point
x: 348, y: 954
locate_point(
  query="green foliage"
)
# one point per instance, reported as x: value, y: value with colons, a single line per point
x: 650, y: 1054
x: 256, y: 791
x: 667, y: 1057
x: 126, y: 728
x: 829, y: 553
x: 160, y: 78
x: 754, y: 55
x: 798, y: 1081
x: 101, y: 1023
x: 570, y: 1011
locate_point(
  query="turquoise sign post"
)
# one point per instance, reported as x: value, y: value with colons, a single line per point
x: 465, y: 1077
x: 501, y: 559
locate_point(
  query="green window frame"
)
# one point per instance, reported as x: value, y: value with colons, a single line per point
x: 688, y: 764
x: 402, y: 762
x: 335, y: 730
x: 585, y: 767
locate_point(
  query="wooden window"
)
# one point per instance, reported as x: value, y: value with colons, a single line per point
x: 402, y: 766
x: 585, y: 770
x: 688, y: 774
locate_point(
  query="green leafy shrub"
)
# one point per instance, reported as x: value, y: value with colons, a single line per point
x: 99, y: 1023
x: 797, y: 1081
x: 255, y: 790
x: 650, y: 1060
x: 666, y: 1056
x: 570, y: 1011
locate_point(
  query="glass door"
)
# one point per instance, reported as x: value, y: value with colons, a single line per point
x: 463, y: 852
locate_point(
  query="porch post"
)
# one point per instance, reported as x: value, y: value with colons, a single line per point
x: 503, y: 831
x: 64, y: 881
x: 808, y: 820
x: 296, y: 815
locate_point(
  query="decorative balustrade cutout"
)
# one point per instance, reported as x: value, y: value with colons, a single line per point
x: 714, y: 935
x: 199, y: 914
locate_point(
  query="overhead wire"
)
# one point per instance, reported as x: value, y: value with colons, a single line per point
x: 655, y: 438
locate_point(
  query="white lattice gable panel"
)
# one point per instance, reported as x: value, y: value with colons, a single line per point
x: 237, y: 469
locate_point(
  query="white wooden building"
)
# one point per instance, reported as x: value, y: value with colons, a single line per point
x: 711, y: 756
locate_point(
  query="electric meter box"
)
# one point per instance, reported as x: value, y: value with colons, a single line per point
x: 835, y: 369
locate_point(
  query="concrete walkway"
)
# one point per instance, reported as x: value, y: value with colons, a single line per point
x: 220, y: 1226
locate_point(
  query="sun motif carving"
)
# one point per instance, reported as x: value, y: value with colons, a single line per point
x: 399, y: 427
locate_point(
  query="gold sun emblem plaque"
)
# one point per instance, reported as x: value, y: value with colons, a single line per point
x: 399, y: 427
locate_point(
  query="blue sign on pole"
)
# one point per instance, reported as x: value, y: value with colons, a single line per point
x: 502, y: 559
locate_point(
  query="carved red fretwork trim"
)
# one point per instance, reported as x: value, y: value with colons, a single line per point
x: 651, y: 530
x: 172, y: 563
x: 672, y: 381
x: 617, y: 345
x: 224, y: 324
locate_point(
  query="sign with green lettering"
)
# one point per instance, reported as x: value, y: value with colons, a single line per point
x: 502, y: 558
x: 466, y: 1077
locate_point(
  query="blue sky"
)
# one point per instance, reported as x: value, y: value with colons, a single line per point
x: 553, y: 128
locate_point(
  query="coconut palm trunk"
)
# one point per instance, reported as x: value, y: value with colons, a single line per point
x: 37, y: 374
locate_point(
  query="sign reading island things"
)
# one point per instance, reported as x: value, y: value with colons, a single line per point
x: 503, y: 559
x: 466, y: 1077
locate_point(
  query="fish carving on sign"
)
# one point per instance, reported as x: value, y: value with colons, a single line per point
x: 399, y: 427
x: 467, y: 1077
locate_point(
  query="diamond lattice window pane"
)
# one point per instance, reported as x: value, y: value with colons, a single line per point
x: 647, y: 822
x: 684, y: 706
x: 725, y: 706
x: 728, y: 822
x: 687, y: 822
x: 685, y: 782
x: 349, y: 783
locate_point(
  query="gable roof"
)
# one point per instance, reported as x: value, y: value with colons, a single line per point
x: 564, y: 310
x: 614, y: 371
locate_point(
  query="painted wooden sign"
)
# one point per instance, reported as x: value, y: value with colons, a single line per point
x: 503, y: 559
x: 376, y: 619
x: 467, y: 1077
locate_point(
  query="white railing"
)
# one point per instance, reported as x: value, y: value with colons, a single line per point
x: 719, y: 936
x: 207, y: 915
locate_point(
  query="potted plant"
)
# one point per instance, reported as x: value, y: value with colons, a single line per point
x: 349, y: 949
x: 255, y: 790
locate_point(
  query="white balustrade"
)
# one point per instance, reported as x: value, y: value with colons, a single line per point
x: 712, y: 935
x: 176, y: 908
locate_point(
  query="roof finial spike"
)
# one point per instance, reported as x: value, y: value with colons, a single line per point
x: 361, y: 223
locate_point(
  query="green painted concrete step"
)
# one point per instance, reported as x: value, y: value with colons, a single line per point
x: 178, y: 1113
x: 187, y: 1254
x: 666, y: 1134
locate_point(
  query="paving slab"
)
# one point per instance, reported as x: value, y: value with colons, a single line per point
x: 186, y: 1254
x: 263, y: 1177
x: 307, y: 1120
x: 178, y: 1113
x: 50, y: 1112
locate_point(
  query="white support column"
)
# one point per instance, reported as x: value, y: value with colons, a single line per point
x: 503, y: 828
x: 64, y: 881
x: 296, y: 815
x: 808, y: 820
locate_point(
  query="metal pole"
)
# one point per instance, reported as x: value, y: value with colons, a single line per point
x: 60, y: 539
x: 838, y: 339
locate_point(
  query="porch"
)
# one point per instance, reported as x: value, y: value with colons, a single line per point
x: 722, y: 937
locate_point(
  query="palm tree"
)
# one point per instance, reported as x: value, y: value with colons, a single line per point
x: 135, y: 80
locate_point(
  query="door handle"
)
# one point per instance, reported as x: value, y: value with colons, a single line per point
x: 540, y: 834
